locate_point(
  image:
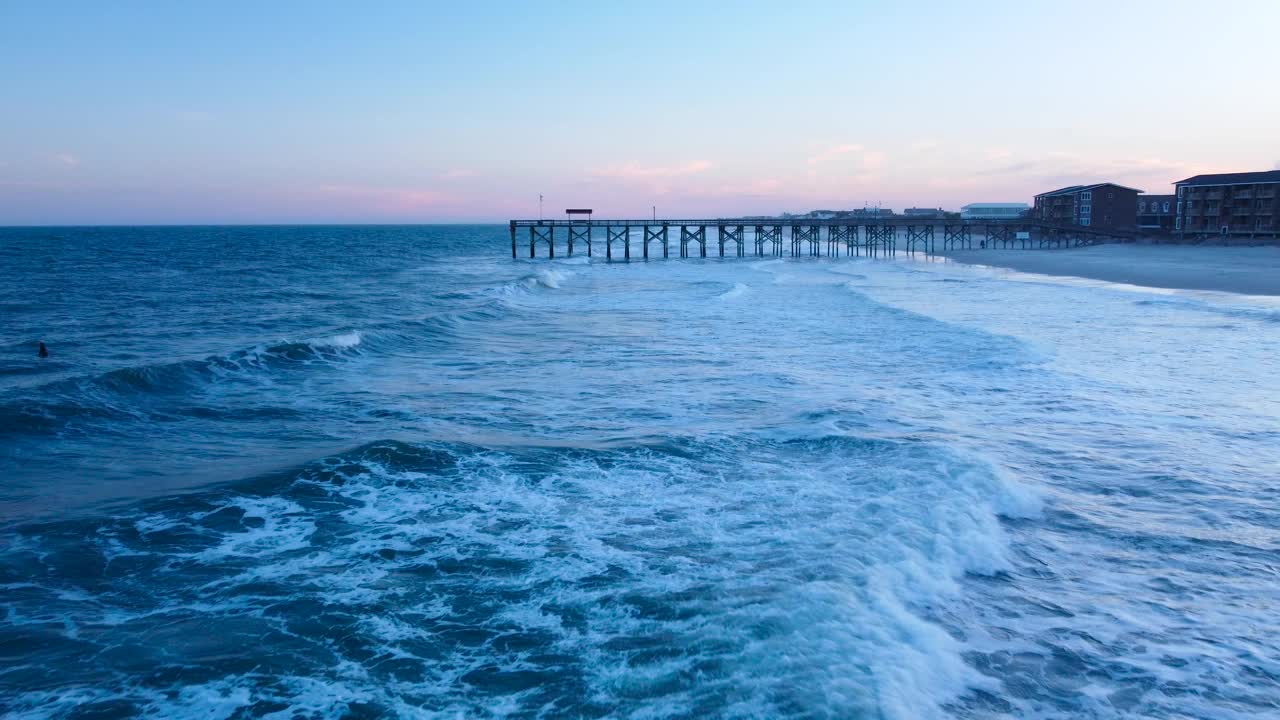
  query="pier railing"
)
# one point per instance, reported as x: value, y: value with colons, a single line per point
x: 798, y: 237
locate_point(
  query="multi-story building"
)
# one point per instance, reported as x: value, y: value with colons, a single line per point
x: 1156, y: 212
x: 1101, y: 205
x: 993, y: 211
x: 1229, y: 204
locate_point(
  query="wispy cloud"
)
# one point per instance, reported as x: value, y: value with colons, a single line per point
x: 833, y: 151
x: 633, y: 171
x: 66, y: 158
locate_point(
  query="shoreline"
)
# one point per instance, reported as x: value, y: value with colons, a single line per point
x: 1239, y: 270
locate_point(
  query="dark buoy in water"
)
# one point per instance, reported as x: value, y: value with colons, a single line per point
x: 43, y: 351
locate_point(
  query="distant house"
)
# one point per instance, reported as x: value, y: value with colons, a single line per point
x: 1228, y: 204
x: 923, y: 212
x: 1156, y: 212
x: 1100, y: 205
x: 993, y: 211
x: 870, y: 212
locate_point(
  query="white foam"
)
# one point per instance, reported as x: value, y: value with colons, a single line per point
x: 738, y: 290
x: 342, y: 340
x: 549, y: 278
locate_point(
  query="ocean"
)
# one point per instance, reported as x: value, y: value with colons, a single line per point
x: 365, y: 472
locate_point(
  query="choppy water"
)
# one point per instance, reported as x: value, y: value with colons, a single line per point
x: 361, y: 472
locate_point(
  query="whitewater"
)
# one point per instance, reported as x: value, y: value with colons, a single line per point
x: 343, y: 472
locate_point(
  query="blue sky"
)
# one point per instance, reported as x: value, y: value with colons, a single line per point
x: 408, y: 112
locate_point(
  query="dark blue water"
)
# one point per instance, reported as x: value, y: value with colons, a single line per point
x: 387, y: 471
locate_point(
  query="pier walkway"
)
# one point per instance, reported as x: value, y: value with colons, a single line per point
x: 798, y: 237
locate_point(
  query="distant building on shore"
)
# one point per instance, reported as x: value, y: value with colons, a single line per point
x: 870, y: 212
x: 1228, y: 204
x: 924, y: 212
x: 1100, y: 205
x: 1156, y: 212
x: 993, y: 211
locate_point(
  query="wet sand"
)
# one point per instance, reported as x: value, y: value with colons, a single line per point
x: 1248, y: 270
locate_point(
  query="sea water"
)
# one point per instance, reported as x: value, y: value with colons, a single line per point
x: 323, y: 472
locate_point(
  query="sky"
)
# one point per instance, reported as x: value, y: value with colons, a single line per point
x: 318, y: 112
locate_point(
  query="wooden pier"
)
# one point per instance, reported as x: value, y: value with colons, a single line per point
x: 798, y: 237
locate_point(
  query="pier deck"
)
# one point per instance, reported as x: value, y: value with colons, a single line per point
x: 796, y: 237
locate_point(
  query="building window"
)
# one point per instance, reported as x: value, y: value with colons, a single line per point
x: 1111, y: 196
x: 1166, y: 206
x: 1177, y: 224
x: 1142, y: 206
x: 1086, y: 196
x: 1182, y: 190
x: 1086, y: 209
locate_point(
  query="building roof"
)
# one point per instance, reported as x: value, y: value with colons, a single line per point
x: 994, y: 206
x: 1244, y: 178
x: 1072, y: 189
x: 1061, y: 191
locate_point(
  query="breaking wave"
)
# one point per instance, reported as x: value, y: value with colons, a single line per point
x: 464, y: 580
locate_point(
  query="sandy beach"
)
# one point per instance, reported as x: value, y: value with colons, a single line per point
x: 1248, y: 270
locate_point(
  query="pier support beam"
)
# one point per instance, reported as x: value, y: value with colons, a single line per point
x: 513, y: 239
x: 837, y: 234
x: 655, y: 233
x: 617, y: 233
x: 955, y: 237
x: 539, y: 233
x: 1001, y: 235
x: 698, y: 234
x: 771, y: 234
x: 801, y: 234
x: 851, y: 241
x: 734, y: 234
x: 920, y: 237
x: 578, y: 232
x: 876, y: 240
